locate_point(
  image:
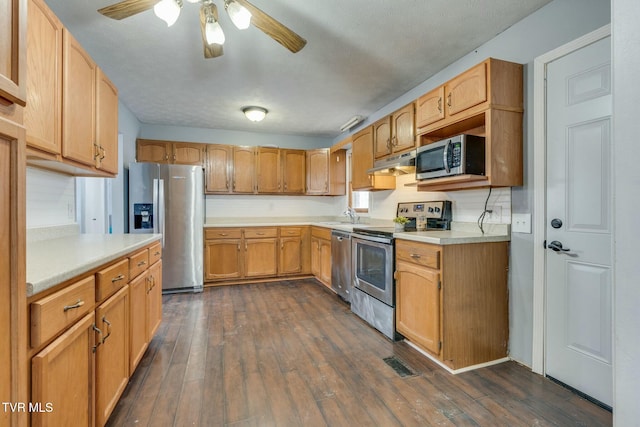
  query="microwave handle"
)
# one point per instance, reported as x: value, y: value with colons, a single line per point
x: 445, y: 157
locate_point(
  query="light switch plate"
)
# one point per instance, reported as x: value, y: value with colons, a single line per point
x: 521, y: 223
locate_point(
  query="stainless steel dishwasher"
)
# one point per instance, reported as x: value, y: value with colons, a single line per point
x: 341, y: 263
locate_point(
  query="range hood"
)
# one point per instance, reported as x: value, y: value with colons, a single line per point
x: 398, y: 164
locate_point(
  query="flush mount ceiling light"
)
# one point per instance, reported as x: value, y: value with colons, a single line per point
x: 241, y: 12
x: 255, y: 114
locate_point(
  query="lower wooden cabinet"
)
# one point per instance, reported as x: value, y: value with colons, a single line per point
x: 452, y: 300
x: 112, y: 355
x: 62, y: 378
x: 80, y: 369
x: 244, y: 254
x: 321, y: 254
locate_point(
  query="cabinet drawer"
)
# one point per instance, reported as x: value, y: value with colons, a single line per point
x: 222, y: 233
x: 155, y: 253
x: 418, y: 253
x: 109, y: 280
x: 258, y: 233
x: 321, y: 233
x: 54, y: 313
x: 138, y: 263
x: 290, y: 231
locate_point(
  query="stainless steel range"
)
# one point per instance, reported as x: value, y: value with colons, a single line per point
x: 373, y: 259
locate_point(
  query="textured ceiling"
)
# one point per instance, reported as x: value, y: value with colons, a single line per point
x: 360, y: 55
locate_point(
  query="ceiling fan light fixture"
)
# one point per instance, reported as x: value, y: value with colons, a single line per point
x: 255, y: 114
x: 168, y: 10
x: 240, y: 16
x: 213, y: 32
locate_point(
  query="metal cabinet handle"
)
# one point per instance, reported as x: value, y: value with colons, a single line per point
x: 78, y: 304
x: 260, y: 233
x: 440, y: 104
x: 98, y: 342
x: 141, y: 263
x: 415, y: 256
x: 117, y: 278
x: 223, y: 234
x: 156, y: 253
x: 104, y: 320
x: 449, y: 100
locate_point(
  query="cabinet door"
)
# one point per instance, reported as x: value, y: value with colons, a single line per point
x: 362, y: 159
x: 112, y: 356
x: 62, y: 375
x: 13, y: 44
x: 42, y: 115
x: 78, y: 102
x: 152, y: 151
x: 403, y: 129
x: 467, y: 90
x: 138, y: 340
x: 337, y: 173
x: 318, y: 171
x: 430, y: 107
x: 325, y: 261
x: 382, y: 137
x: 185, y: 153
x: 154, y: 299
x: 218, y: 169
x: 293, y: 171
x: 315, y: 256
x: 418, y: 305
x: 222, y: 259
x: 260, y: 257
x: 290, y: 260
x: 244, y: 170
x: 106, y: 124
x: 268, y: 170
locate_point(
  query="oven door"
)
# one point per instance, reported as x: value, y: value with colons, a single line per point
x: 373, y: 267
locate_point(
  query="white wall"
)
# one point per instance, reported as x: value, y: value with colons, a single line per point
x: 626, y: 63
x: 221, y: 136
x: 250, y: 206
x: 51, y: 198
x: 129, y: 129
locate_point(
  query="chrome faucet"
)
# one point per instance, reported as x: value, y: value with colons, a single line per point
x: 353, y: 216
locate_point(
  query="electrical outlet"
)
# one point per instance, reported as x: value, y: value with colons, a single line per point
x: 495, y: 215
x: 70, y: 211
x: 521, y: 223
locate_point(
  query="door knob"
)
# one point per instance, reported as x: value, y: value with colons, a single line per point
x: 556, y: 223
x: 557, y: 247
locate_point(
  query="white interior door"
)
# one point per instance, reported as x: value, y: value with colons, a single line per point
x: 579, y: 221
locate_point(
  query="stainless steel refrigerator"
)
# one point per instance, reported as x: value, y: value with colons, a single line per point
x: 169, y: 199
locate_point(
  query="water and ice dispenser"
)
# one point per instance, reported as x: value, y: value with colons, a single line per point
x: 143, y: 216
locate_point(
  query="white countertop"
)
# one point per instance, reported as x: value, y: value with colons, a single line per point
x: 460, y: 233
x: 53, y: 261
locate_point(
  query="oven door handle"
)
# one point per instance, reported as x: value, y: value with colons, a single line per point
x: 445, y: 157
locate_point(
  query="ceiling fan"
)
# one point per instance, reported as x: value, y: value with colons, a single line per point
x: 241, y: 12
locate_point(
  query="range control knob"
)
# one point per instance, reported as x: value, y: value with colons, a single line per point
x: 430, y: 209
x: 437, y: 209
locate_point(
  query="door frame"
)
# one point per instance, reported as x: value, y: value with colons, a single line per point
x: 540, y: 188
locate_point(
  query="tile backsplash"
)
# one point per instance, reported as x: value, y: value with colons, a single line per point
x: 51, y: 198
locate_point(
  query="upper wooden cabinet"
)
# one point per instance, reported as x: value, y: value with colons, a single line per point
x: 395, y: 133
x: 487, y: 101
x: 72, y: 107
x: 218, y: 164
x: 180, y: 153
x: 244, y: 169
x: 362, y: 160
x: 43, y: 116
x: 78, y: 102
x: 268, y: 173
x: 326, y: 172
x: 13, y: 46
x: 106, y: 145
x: 293, y: 171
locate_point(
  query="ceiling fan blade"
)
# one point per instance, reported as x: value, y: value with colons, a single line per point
x: 273, y: 28
x: 210, y: 50
x: 127, y: 8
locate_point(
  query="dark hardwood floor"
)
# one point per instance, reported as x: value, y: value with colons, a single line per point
x: 291, y: 353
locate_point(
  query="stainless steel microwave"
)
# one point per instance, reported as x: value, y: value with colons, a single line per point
x: 458, y: 155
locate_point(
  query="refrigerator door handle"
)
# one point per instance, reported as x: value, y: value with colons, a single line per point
x: 161, y: 208
x: 156, y: 218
